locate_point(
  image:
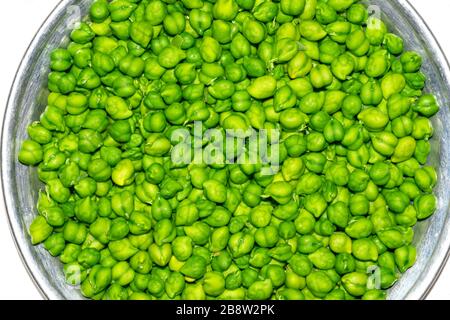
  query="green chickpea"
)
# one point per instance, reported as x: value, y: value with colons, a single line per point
x: 357, y: 13
x: 322, y: 259
x: 425, y: 206
x: 355, y: 283
x: 31, y: 153
x: 312, y: 30
x: 214, y: 283
x: 299, y: 66
x: 319, y: 283
x: 260, y: 290
x: 321, y: 76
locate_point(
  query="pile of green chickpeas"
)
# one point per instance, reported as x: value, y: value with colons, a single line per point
x: 335, y: 221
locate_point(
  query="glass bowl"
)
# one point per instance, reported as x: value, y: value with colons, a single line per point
x: 28, y: 99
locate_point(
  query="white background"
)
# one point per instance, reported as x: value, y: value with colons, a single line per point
x: 22, y: 18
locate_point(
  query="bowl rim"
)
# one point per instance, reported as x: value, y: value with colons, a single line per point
x: 45, y: 288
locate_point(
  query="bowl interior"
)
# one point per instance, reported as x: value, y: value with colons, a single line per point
x: 28, y: 100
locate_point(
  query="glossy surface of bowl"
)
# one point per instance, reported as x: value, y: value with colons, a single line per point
x: 28, y: 99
